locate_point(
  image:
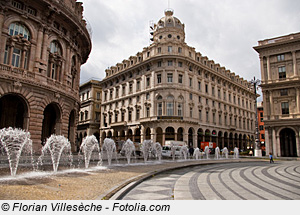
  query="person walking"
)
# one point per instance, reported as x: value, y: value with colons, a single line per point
x: 271, y: 158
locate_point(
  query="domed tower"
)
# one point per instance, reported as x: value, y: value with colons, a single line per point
x: 169, y: 28
x: 42, y: 47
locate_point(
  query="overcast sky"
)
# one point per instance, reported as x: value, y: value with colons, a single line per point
x: 223, y: 30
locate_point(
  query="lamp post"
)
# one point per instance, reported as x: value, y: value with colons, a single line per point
x: 257, y: 149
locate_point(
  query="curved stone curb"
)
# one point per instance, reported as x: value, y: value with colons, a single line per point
x: 118, y: 191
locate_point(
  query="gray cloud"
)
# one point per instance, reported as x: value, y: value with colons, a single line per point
x: 223, y: 30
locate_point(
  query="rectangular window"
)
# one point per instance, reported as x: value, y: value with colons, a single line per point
x: 138, y: 85
x: 282, y: 73
x: 200, y: 99
x: 284, y: 92
x: 6, y: 55
x: 116, y: 117
x: 170, y: 78
x: 214, y: 118
x: 191, y: 112
x: 285, y: 108
x: 158, y: 78
x: 280, y: 57
x: 213, y: 91
x: 137, y: 114
x: 207, y: 116
x: 169, y: 49
x: 200, y: 115
x: 220, y: 119
x: 180, y: 77
x: 159, y: 50
x: 123, y: 90
x: 179, y: 49
x: 206, y: 88
x: 191, y: 82
x: 148, y: 112
x: 129, y: 115
x: 170, y: 109
x: 179, y: 109
x: 261, y: 127
x: 159, y: 64
x: 130, y: 87
x: 16, y: 57
x: 148, y: 81
x: 170, y: 63
x: 98, y: 96
x: 199, y: 85
x: 191, y: 96
x: 262, y: 136
x: 179, y: 64
x: 159, y: 109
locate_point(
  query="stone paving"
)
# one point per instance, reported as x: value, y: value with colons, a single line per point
x: 222, y: 181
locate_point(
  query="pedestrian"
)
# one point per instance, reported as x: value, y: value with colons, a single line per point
x: 271, y: 157
x: 191, y: 151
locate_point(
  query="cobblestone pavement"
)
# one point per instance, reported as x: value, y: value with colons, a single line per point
x: 228, y: 181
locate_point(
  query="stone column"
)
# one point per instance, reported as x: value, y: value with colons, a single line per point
x: 297, y: 145
x: 45, y: 46
x: 268, y: 69
x: 278, y: 145
x: 2, y: 46
x: 294, y: 63
x: 267, y: 142
x: 262, y: 68
x: 271, y: 104
x: 274, y: 143
x: 38, y: 51
x: 298, y: 100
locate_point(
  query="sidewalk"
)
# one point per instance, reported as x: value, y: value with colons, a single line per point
x: 88, y: 185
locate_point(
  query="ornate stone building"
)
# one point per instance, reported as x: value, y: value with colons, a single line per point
x: 280, y: 65
x: 171, y: 92
x: 42, y: 46
x: 89, y: 115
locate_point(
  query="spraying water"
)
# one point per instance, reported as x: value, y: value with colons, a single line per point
x: 13, y: 143
x: 129, y: 149
x: 236, y: 153
x: 206, y: 150
x: 158, y: 150
x: 89, y: 145
x: 225, y: 152
x: 109, y: 146
x: 147, y: 148
x: 59, y: 148
x: 184, y: 152
x: 197, y: 154
x: 217, y: 153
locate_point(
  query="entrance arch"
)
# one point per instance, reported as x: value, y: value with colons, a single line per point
x: 13, y: 112
x: 288, y: 143
x: 191, y: 139
x: 148, y: 133
x: 180, y: 134
x: 170, y: 133
x: 51, y: 121
x: 159, y: 135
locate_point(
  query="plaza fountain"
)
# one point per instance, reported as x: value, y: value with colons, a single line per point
x: 88, y: 148
x: 15, y: 142
x: 184, y: 152
x: 147, y: 149
x: 197, y: 153
x: 129, y: 149
x: 158, y: 150
x: 109, y: 147
x: 225, y: 152
x: 217, y: 153
x: 236, y: 153
x: 59, y: 149
x: 206, y: 151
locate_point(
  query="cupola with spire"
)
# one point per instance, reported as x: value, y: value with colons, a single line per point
x: 169, y: 28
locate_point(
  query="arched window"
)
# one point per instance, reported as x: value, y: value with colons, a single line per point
x: 170, y: 106
x: 55, y: 61
x: 17, y: 28
x: 18, y: 46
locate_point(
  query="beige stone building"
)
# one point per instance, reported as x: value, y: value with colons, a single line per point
x: 89, y: 114
x: 42, y: 46
x: 280, y: 65
x: 169, y: 91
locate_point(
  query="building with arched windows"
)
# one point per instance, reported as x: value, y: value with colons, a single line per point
x: 280, y: 74
x: 171, y: 92
x: 42, y: 46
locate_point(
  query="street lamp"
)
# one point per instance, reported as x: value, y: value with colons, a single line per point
x: 257, y: 149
